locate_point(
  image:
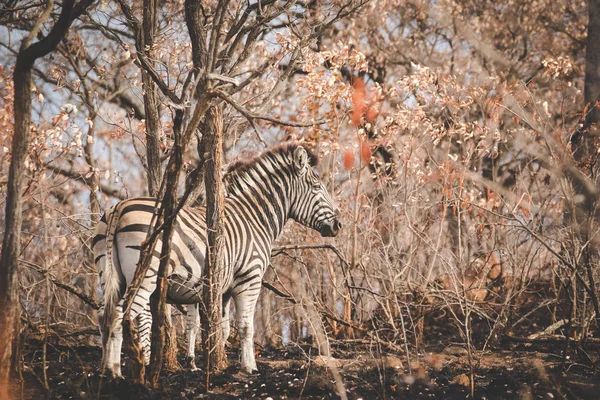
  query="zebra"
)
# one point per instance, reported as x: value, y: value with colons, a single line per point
x: 262, y: 194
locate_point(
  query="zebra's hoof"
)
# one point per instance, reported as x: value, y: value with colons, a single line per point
x: 249, y: 370
x: 112, y: 374
x: 192, y: 364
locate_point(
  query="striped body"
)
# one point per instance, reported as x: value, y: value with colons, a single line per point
x: 261, y: 196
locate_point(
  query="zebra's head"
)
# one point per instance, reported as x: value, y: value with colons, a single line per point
x: 313, y: 205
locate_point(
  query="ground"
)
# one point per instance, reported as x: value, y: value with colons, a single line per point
x: 373, y: 365
x: 439, y: 371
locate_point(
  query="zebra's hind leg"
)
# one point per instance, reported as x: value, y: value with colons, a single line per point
x: 112, y: 340
x: 103, y: 336
x: 245, y: 304
x: 144, y: 321
x: 192, y: 328
x: 114, y: 327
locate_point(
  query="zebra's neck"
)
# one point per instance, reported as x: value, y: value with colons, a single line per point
x: 264, y: 190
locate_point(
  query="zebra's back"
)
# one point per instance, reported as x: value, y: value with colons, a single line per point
x: 188, y: 247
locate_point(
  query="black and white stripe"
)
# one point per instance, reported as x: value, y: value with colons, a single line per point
x: 262, y: 194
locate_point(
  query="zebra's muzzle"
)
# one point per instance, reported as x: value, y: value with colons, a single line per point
x: 331, y: 229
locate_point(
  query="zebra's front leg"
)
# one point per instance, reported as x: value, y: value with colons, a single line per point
x: 192, y: 328
x: 141, y: 315
x: 244, y: 308
x: 225, y: 322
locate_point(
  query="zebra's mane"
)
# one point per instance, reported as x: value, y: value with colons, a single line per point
x: 281, y: 155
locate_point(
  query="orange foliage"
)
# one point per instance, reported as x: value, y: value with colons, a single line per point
x: 363, y: 105
x: 365, y: 153
x: 348, y: 159
x: 358, y: 101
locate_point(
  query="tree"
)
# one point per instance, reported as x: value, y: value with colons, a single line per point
x: 9, y: 271
x: 214, y: 349
x: 222, y: 45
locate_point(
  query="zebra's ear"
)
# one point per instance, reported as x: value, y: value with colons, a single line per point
x: 301, y: 160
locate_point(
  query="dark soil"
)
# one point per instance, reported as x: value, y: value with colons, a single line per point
x: 440, y: 372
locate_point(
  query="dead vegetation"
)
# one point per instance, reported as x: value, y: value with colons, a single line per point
x: 459, y: 139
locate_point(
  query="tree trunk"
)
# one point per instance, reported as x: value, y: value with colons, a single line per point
x: 165, y: 218
x: 171, y: 363
x: 214, y: 352
x: 94, y: 185
x: 158, y: 301
x: 267, y: 324
x: 151, y: 103
x: 11, y: 245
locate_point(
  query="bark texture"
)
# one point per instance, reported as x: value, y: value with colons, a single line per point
x: 151, y: 101
x: 214, y: 352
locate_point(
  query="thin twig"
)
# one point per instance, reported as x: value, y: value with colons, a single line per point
x: 71, y: 289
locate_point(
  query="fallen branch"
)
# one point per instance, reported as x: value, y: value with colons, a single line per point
x: 554, y: 340
x: 552, y: 328
x: 59, y: 331
x: 71, y: 289
x: 86, y: 331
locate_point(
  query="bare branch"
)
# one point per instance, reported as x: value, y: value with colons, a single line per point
x: 279, y: 293
x: 82, y: 177
x: 38, y: 24
x: 252, y: 116
x: 69, y: 288
x: 142, y: 58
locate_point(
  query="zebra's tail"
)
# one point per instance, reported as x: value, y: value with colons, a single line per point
x: 111, y: 278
